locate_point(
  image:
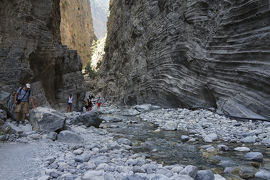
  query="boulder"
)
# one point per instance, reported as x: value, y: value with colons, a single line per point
x: 254, y: 156
x: 88, y: 119
x: 47, y: 120
x: 69, y: 137
x: 205, y: 175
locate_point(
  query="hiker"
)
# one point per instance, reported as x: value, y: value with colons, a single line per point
x: 86, y: 104
x: 21, y: 99
x: 69, y: 106
x: 90, y: 104
x: 99, y: 102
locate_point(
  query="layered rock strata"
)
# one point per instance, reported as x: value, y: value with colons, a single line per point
x: 190, y: 54
x: 77, y: 30
x: 31, y: 51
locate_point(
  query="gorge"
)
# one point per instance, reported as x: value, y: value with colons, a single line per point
x: 173, y: 76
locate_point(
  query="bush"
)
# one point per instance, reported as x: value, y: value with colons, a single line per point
x: 88, y: 69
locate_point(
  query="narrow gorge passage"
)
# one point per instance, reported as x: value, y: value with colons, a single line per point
x: 183, y: 86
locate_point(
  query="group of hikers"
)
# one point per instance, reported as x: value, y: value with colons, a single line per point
x: 88, y: 105
x: 23, y: 95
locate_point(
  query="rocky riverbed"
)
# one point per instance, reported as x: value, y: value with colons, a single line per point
x: 116, y: 150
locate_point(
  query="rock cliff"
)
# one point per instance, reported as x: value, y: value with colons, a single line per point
x: 31, y: 51
x: 204, y: 53
x: 77, y: 30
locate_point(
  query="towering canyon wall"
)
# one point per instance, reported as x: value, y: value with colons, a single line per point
x: 31, y: 51
x: 76, y: 28
x: 203, y: 53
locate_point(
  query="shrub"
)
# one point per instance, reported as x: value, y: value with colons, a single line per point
x: 88, y: 69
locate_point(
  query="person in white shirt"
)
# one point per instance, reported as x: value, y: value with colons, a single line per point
x: 69, y: 107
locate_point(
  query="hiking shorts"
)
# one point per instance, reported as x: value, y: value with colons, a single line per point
x: 23, y: 106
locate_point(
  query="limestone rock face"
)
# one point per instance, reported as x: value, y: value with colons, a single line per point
x: 31, y: 51
x: 190, y: 54
x: 77, y: 30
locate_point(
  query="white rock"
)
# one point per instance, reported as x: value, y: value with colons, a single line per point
x: 93, y: 175
x: 210, y: 137
x: 78, y: 151
x: 242, y: 149
x: 219, y: 177
x: 263, y: 174
x: 170, y: 126
x: 44, y: 178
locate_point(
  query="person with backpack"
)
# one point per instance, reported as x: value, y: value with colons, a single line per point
x: 21, y: 99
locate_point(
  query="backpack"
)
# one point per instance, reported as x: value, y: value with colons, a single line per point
x: 27, y: 92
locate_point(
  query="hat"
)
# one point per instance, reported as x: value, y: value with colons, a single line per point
x: 28, y: 85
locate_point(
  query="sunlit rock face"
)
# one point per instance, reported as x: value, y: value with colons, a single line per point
x: 100, y: 12
x: 31, y: 51
x: 184, y: 53
x: 77, y: 30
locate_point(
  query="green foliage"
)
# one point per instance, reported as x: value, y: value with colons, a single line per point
x: 88, y: 69
x: 99, y: 65
x: 64, y: 4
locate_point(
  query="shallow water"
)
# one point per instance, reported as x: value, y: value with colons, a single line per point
x: 166, y: 147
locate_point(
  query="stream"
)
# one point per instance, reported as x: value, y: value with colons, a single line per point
x: 167, y: 148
